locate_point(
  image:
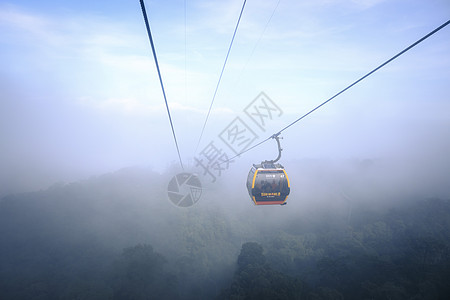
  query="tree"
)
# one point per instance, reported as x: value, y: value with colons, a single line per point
x: 139, y: 274
x: 251, y: 254
x: 255, y: 279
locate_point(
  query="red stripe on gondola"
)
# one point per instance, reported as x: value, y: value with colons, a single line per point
x: 269, y: 202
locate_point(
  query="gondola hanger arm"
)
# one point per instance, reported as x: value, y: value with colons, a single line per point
x: 277, y: 138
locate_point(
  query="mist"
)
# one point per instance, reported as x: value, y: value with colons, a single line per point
x: 80, y: 239
x: 87, y: 151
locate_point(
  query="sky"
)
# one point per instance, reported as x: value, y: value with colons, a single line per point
x: 80, y: 96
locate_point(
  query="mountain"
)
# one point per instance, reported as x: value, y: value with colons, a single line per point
x: 117, y: 236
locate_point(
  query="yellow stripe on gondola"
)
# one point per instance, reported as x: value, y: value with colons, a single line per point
x: 253, y: 186
x: 285, y: 174
x: 289, y: 185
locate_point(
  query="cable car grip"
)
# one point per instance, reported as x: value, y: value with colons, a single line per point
x: 277, y: 138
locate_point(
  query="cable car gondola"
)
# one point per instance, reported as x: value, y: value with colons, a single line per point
x: 268, y: 183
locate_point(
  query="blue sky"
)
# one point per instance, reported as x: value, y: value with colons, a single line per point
x: 79, y: 93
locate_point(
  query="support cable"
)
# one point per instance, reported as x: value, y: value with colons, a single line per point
x: 160, y: 78
x: 345, y: 89
x: 220, y: 77
x: 258, y: 41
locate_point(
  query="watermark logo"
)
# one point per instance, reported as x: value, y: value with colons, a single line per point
x: 184, y: 189
x: 262, y: 110
x: 238, y: 136
x: 213, y: 161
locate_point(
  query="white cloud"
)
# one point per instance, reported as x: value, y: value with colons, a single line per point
x: 13, y: 17
x: 122, y: 105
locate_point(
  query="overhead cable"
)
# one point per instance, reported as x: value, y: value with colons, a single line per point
x: 160, y: 79
x: 220, y: 77
x: 345, y: 89
x: 259, y: 40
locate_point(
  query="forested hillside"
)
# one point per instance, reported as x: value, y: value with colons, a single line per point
x: 118, y: 237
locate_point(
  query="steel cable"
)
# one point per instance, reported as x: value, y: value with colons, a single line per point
x: 160, y: 79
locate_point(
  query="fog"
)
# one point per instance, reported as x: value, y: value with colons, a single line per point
x: 80, y: 95
x: 87, y: 153
x: 118, y: 234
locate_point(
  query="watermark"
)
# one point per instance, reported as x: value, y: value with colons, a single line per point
x: 213, y: 161
x: 185, y: 189
x: 238, y: 136
x: 262, y: 110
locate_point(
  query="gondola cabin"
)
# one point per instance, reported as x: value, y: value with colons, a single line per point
x: 268, y: 184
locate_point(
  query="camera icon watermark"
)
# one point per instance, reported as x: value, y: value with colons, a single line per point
x: 185, y: 189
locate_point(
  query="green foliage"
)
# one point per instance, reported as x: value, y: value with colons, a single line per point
x: 91, y: 240
x: 254, y: 279
x: 139, y: 274
x: 251, y: 255
x: 378, y: 255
